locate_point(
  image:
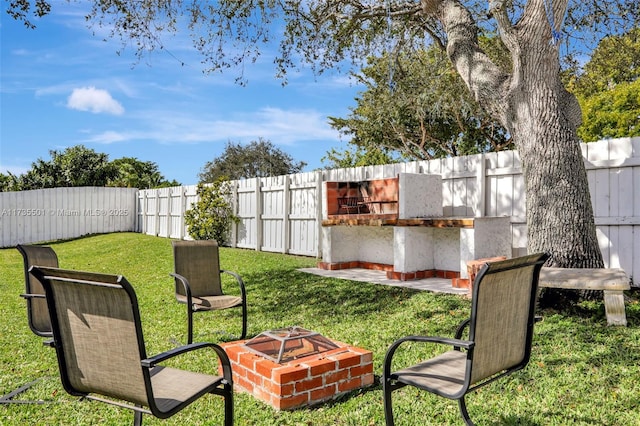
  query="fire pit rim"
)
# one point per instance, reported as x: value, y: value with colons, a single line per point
x: 284, y: 335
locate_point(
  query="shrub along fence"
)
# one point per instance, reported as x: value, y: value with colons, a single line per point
x: 284, y: 213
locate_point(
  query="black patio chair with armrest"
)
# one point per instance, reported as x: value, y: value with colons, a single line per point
x: 37, y: 311
x: 500, y: 333
x: 101, y: 351
x: 198, y: 281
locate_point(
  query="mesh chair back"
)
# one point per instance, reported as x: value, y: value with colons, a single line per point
x: 97, y: 333
x: 37, y: 310
x: 199, y: 262
x: 504, y: 298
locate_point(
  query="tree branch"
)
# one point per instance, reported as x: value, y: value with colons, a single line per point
x: 484, y: 79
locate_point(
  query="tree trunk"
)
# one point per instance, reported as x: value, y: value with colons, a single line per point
x: 542, y: 118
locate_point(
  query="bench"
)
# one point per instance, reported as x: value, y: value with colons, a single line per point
x: 612, y: 281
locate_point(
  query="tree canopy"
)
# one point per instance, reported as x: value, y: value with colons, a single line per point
x: 133, y: 173
x: 326, y: 33
x: 356, y: 156
x: 257, y: 159
x: 82, y: 166
x: 608, y: 88
x: 418, y: 106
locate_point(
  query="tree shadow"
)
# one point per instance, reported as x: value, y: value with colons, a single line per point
x: 286, y: 292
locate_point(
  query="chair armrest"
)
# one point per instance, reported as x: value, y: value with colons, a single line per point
x: 456, y: 343
x: 185, y: 285
x: 461, y: 327
x: 460, y: 331
x: 222, y: 355
x: 243, y: 291
x: 32, y: 296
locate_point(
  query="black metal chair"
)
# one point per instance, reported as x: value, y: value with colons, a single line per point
x: 101, y: 351
x: 500, y: 333
x: 37, y: 311
x: 198, y: 281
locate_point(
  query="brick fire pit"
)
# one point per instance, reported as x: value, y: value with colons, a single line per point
x: 332, y: 368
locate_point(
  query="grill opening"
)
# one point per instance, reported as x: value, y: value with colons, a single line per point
x: 289, y: 343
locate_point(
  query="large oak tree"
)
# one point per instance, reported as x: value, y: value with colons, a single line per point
x: 530, y: 100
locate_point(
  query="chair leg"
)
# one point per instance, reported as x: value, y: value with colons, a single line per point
x: 8, y: 398
x: 464, y: 412
x: 388, y: 409
x: 137, y: 418
x: 228, y: 407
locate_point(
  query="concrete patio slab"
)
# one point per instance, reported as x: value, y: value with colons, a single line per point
x: 436, y: 285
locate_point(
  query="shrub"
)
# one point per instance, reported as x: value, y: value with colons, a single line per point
x: 211, y: 216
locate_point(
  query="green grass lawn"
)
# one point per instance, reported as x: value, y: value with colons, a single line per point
x: 582, y: 372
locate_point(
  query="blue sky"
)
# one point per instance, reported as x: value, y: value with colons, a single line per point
x: 61, y: 85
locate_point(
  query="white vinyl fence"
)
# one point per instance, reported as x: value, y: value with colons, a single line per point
x: 63, y: 213
x: 284, y: 213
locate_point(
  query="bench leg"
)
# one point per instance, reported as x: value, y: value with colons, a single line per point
x: 614, y: 307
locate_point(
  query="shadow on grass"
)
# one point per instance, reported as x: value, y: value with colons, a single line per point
x: 291, y: 292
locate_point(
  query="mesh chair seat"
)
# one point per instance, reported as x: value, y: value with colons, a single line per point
x: 208, y: 303
x: 443, y: 375
x: 172, y: 387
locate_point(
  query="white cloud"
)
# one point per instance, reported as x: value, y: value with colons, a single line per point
x: 280, y: 126
x: 109, y: 137
x: 94, y: 100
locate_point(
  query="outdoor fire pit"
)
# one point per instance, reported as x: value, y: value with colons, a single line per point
x: 287, y: 344
x: 293, y: 367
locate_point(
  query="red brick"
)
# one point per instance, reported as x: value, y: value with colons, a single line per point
x: 347, y: 360
x: 451, y: 274
x: 254, y: 378
x: 351, y: 384
x: 248, y: 360
x: 359, y: 370
x: 367, y: 379
x: 242, y: 383
x: 265, y: 367
x: 366, y: 356
x: 460, y: 283
x: 337, y: 376
x: 278, y: 390
x: 289, y: 374
x: 323, y: 393
x: 320, y: 366
x: 291, y: 402
x: 238, y: 370
x: 233, y: 351
x: 308, y: 384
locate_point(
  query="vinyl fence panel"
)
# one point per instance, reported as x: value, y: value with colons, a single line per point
x: 62, y: 213
x: 284, y: 213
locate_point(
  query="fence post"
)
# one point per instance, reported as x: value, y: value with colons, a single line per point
x: 319, y: 180
x: 285, y: 215
x: 258, y: 199
x: 481, y: 183
x: 235, y: 205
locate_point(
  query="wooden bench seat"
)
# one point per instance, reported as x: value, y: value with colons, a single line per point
x: 612, y: 281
